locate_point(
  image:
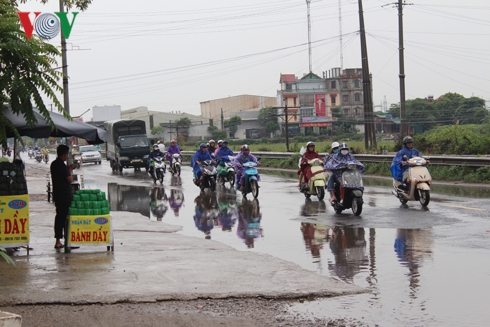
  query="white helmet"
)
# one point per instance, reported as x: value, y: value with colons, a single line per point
x: 220, y: 141
x: 335, y: 145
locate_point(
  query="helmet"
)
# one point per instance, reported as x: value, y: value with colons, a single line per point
x: 225, y: 142
x: 245, y: 147
x: 159, y: 142
x: 202, y: 145
x: 344, y: 146
x: 173, y: 141
x: 211, y: 141
x: 155, y: 145
x: 335, y: 145
x: 310, y: 143
x: 220, y: 141
x: 407, y: 139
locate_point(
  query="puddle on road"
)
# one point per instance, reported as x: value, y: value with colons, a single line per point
x: 474, y: 191
x: 413, y: 282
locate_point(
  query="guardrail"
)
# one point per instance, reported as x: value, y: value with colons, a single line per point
x: 434, y: 160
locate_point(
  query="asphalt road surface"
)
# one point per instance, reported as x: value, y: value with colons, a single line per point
x: 424, y: 267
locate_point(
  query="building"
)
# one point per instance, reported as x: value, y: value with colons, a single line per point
x: 305, y: 99
x: 212, y: 109
x: 249, y: 127
x: 344, y: 88
x: 197, y: 131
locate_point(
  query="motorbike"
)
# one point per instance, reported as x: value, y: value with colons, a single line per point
x: 417, y: 179
x: 158, y: 169
x: 318, y: 181
x: 30, y: 153
x: 77, y: 160
x: 39, y: 156
x: 208, y: 176
x: 175, y: 166
x: 226, y: 172
x: 250, y: 183
x: 46, y: 158
x: 349, y: 191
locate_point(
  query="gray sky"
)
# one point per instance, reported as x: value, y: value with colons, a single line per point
x: 171, y: 55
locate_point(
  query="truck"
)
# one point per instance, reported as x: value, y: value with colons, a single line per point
x: 127, y: 145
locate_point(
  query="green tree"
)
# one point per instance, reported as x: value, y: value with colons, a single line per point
x: 232, y: 125
x: 267, y: 119
x: 471, y: 111
x: 217, y: 134
x: 80, y: 4
x: 26, y: 73
x: 158, y: 131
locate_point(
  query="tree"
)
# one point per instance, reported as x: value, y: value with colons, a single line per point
x: 158, y: 131
x: 471, y: 111
x: 267, y: 119
x: 232, y: 125
x: 183, y: 124
x: 217, y: 134
x: 80, y: 4
x: 26, y: 73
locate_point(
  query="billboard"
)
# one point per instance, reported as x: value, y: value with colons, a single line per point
x: 90, y: 230
x: 106, y: 113
x: 14, y: 220
x: 320, y: 105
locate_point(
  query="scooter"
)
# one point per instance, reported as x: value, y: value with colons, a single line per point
x: 30, y: 153
x: 39, y: 156
x: 46, y: 157
x: 349, y: 191
x: 226, y: 172
x: 158, y: 169
x: 250, y: 183
x: 318, y: 181
x: 417, y: 179
x: 208, y: 176
x: 77, y: 160
x: 175, y: 166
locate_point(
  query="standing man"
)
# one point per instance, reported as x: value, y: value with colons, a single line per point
x: 62, y: 192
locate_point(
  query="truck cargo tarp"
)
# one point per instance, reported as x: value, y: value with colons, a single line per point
x: 64, y: 128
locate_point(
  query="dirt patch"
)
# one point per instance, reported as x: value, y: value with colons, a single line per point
x: 203, y: 313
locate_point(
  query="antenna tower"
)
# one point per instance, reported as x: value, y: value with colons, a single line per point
x: 309, y: 33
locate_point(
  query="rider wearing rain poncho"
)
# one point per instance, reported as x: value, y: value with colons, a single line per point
x: 224, y: 152
x: 335, y: 165
x: 243, y: 157
x: 399, y: 164
x: 201, y: 155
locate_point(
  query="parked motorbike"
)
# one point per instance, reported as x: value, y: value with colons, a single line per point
x: 46, y: 158
x: 250, y: 184
x: 417, y: 182
x: 208, y: 176
x: 226, y: 172
x: 318, y: 181
x: 31, y: 153
x: 158, y: 169
x: 175, y: 166
x: 39, y: 156
x: 349, y: 191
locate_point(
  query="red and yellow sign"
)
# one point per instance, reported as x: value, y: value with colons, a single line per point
x: 14, y: 220
x: 90, y: 230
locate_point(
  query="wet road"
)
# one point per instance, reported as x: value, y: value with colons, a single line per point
x: 424, y: 267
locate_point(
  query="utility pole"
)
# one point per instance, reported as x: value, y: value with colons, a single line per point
x: 403, y: 118
x: 369, y: 128
x: 340, y: 37
x: 170, y: 128
x: 309, y: 32
x: 222, y: 120
x: 287, y: 125
x: 64, y: 64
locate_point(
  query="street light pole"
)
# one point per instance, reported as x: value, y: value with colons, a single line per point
x: 287, y: 125
x: 64, y: 64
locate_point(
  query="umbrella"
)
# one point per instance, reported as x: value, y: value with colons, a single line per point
x: 65, y: 128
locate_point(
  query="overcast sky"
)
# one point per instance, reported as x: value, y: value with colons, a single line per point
x: 171, y: 55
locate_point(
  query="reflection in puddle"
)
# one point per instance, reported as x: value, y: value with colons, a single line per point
x: 222, y: 211
x: 152, y: 202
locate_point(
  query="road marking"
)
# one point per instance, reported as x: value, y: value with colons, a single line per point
x: 462, y: 207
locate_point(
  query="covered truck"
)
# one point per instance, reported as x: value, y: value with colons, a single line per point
x: 127, y: 145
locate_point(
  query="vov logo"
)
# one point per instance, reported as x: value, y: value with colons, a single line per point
x: 47, y: 25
